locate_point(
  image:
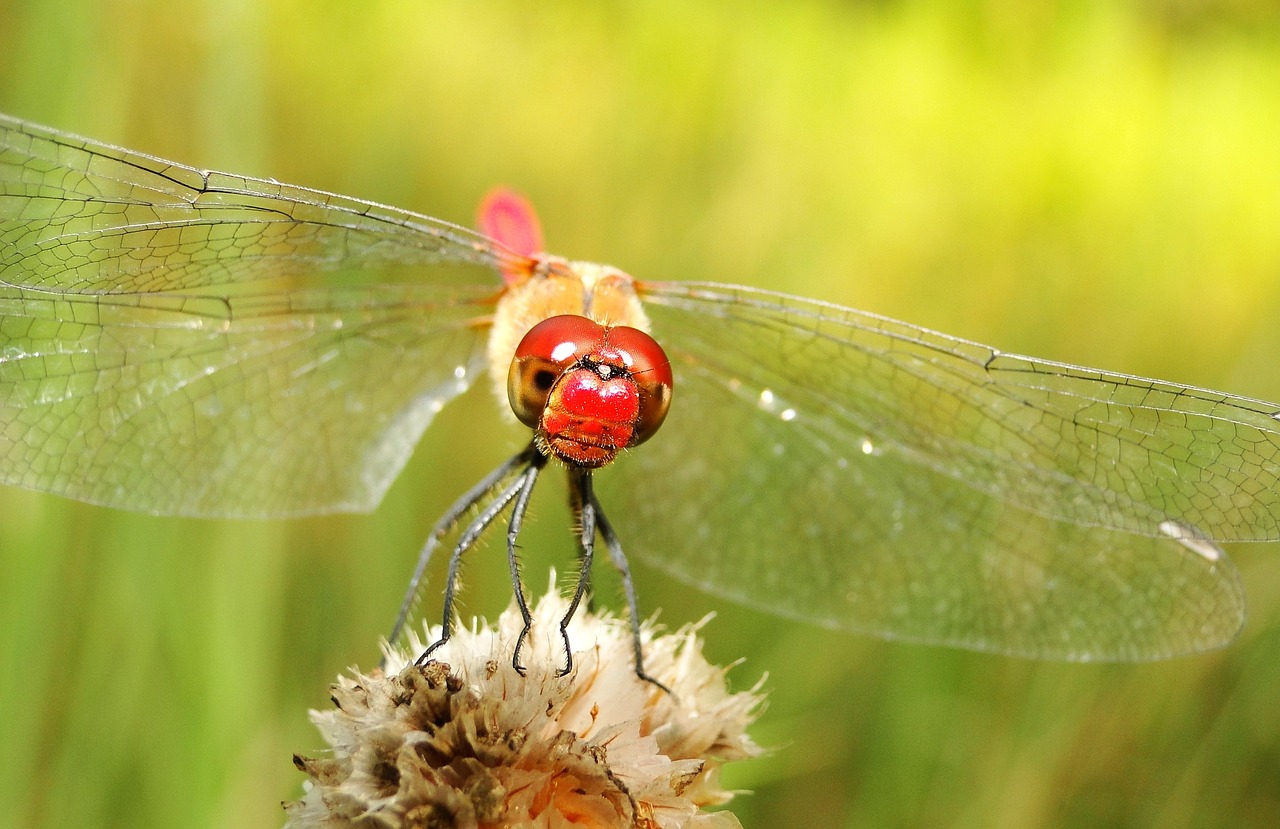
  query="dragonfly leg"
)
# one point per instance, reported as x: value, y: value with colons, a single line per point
x: 467, y: 540
x: 584, y: 516
x: 619, y: 559
x: 445, y: 525
x: 586, y: 551
x: 527, y: 479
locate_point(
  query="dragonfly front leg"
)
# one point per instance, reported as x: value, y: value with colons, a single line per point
x: 472, y: 534
x: 446, y: 524
x: 584, y: 517
x: 527, y: 480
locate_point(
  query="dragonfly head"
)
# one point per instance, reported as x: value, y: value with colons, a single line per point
x: 588, y: 390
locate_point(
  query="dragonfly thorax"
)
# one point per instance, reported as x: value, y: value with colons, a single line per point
x: 552, y: 287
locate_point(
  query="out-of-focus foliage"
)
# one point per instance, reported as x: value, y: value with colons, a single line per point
x: 1097, y: 182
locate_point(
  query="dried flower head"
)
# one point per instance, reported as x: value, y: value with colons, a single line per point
x: 472, y: 743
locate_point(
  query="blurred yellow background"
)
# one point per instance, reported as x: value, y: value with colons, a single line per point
x: 1093, y: 182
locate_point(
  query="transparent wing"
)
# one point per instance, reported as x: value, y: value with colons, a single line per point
x: 77, y: 216
x: 870, y: 475
x: 194, y: 343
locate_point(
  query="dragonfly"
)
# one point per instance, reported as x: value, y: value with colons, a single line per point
x: 185, y: 342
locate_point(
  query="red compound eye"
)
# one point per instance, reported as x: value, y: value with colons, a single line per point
x: 589, y: 391
x: 549, y: 349
x: 650, y: 369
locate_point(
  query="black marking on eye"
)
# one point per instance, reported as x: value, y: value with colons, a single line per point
x: 544, y: 379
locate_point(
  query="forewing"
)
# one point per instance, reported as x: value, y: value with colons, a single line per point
x: 193, y: 343
x: 1081, y: 445
x: 873, y: 476
x: 77, y: 216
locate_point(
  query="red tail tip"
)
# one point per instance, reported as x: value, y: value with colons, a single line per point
x: 508, y: 217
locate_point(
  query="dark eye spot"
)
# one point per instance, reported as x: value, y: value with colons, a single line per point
x: 544, y: 380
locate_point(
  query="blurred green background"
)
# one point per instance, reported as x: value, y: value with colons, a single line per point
x: 1094, y: 182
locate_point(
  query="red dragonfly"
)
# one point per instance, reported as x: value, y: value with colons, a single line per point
x: 184, y: 342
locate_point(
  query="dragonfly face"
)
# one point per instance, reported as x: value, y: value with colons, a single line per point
x: 196, y: 343
x: 588, y: 391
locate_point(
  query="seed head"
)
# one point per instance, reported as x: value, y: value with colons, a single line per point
x: 472, y: 743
